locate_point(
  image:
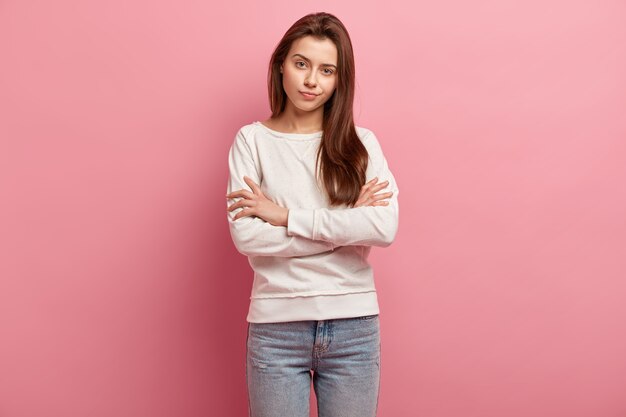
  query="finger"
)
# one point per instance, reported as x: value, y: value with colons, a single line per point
x: 369, y: 193
x: 376, y: 199
x: 233, y: 194
x: 361, y: 200
x: 369, y: 183
x: 380, y: 186
x: 241, y: 193
x: 242, y: 203
x: 253, y: 185
x: 382, y: 196
x: 243, y: 213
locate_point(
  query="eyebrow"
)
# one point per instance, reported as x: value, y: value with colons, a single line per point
x: 307, y: 59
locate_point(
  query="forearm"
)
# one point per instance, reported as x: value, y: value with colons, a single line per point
x: 254, y: 236
x: 370, y: 225
x: 366, y: 225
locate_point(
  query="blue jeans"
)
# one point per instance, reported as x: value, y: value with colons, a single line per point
x: 341, y: 356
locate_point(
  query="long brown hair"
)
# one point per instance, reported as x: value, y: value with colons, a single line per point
x: 342, y: 157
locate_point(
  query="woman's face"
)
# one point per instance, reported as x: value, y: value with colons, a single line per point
x: 310, y: 67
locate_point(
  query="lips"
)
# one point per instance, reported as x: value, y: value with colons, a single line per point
x: 308, y: 95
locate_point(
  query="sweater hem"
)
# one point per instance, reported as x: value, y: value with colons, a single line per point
x: 318, y: 307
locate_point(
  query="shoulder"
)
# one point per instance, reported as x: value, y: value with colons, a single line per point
x: 247, y: 131
x: 367, y: 135
x: 363, y: 132
x: 244, y: 143
x: 369, y: 139
x: 247, y: 135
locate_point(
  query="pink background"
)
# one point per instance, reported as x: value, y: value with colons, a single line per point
x: 121, y: 293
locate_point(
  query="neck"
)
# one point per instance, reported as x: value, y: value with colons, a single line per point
x: 298, y: 121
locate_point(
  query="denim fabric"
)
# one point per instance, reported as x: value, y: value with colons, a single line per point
x: 340, y: 356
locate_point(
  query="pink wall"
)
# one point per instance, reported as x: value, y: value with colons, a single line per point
x: 121, y: 293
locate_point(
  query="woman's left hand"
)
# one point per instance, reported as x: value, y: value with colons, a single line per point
x: 255, y: 203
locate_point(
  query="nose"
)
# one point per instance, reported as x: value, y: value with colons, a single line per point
x: 310, y: 80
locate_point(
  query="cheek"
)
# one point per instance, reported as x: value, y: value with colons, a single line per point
x: 289, y: 77
x: 286, y: 83
x: 329, y: 87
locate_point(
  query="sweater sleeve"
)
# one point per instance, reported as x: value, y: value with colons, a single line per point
x: 365, y: 225
x: 252, y: 235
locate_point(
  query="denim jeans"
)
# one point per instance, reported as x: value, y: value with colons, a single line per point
x: 340, y: 356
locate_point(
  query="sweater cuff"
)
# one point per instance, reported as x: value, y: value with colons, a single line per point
x: 300, y: 223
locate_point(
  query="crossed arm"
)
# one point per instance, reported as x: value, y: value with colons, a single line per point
x: 262, y: 228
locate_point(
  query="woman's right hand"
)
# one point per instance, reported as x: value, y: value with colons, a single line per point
x: 367, y: 196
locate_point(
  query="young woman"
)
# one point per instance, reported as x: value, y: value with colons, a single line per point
x: 305, y: 205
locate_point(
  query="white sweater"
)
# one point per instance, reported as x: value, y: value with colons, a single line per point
x: 316, y: 267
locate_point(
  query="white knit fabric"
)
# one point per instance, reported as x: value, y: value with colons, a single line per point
x: 316, y: 268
